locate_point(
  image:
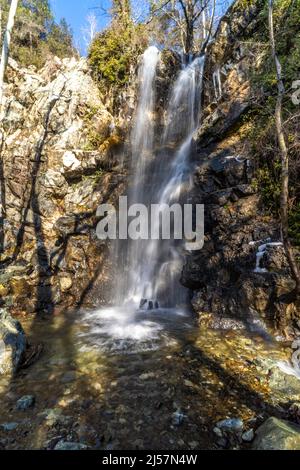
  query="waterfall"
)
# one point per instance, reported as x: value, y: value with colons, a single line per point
x: 130, y: 284
x: 142, y: 136
x: 149, y: 303
x: 160, y: 175
x: 164, y: 271
x: 148, y: 300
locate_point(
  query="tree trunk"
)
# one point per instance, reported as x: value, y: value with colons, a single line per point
x: 6, y: 46
x: 284, y: 201
x: 210, y: 28
x: 189, y: 39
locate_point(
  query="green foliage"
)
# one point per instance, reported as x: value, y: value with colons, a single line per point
x: 243, y: 4
x: 36, y: 35
x: 287, y: 37
x: 113, y: 52
x: 95, y: 178
x: 267, y: 181
x: 94, y: 140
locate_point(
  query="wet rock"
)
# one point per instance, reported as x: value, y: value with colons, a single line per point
x: 223, y: 442
x: 68, y: 377
x: 178, y: 417
x: 218, y: 432
x: 275, y: 259
x: 221, y: 275
x: 65, y: 445
x: 230, y: 425
x: 279, y: 381
x: 142, y: 303
x: 25, y: 402
x: 66, y: 283
x: 194, y: 445
x: 12, y: 343
x: 217, y: 322
x: 55, y: 417
x: 277, y: 434
x: 51, y: 443
x: 9, y: 426
x: 147, y: 375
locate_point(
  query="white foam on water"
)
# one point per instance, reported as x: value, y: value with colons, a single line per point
x: 287, y: 368
x: 128, y: 329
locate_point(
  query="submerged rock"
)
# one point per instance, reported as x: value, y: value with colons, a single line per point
x: 12, y: 343
x: 65, y: 445
x: 25, y: 402
x: 277, y: 434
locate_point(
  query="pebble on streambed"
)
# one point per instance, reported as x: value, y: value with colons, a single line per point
x: 65, y: 445
x: 25, y: 402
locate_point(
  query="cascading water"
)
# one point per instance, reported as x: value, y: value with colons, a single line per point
x: 149, y: 296
x: 160, y: 177
x: 173, y: 177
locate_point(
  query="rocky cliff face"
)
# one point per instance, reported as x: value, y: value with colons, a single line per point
x: 241, y: 273
x: 59, y: 160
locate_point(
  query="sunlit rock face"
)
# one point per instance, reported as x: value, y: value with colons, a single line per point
x: 60, y: 159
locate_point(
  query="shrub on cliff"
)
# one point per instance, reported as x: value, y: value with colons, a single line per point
x: 114, y: 51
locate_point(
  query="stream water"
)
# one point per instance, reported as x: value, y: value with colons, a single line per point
x: 162, y: 388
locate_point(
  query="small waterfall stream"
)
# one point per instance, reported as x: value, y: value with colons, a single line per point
x: 160, y: 177
x: 147, y: 291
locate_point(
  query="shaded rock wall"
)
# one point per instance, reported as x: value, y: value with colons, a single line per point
x: 222, y: 275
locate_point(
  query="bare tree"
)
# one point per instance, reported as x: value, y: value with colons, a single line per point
x: 6, y: 46
x: 192, y: 19
x: 284, y: 201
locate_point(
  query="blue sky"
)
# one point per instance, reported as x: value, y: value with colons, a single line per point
x: 75, y: 12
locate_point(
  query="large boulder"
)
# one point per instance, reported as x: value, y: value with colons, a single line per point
x: 277, y: 434
x: 12, y: 343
